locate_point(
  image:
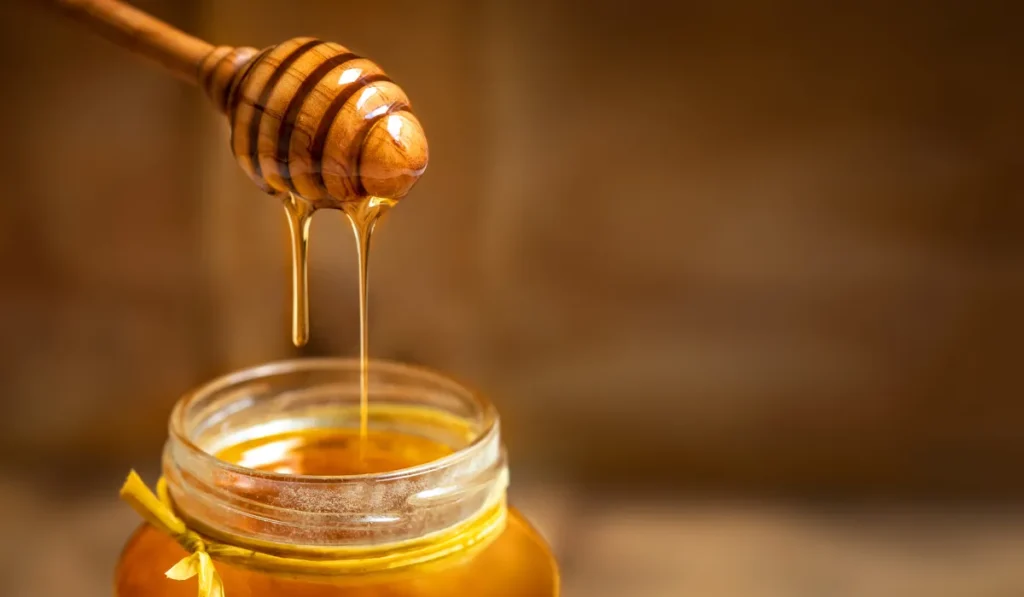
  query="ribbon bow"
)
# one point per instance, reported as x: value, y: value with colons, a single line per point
x: 158, y: 511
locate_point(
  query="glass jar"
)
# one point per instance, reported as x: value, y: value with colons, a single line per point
x: 436, y: 528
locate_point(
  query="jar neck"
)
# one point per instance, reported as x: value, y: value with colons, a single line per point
x: 381, y: 519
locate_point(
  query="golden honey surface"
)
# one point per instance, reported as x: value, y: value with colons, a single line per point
x: 334, y: 452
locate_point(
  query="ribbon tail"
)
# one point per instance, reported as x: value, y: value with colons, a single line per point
x: 149, y: 506
x: 210, y: 584
x: 186, y: 568
x: 218, y: 586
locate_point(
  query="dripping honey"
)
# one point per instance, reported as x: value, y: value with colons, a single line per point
x: 300, y: 215
x: 363, y: 216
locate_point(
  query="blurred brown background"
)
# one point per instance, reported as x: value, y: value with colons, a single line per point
x: 765, y: 250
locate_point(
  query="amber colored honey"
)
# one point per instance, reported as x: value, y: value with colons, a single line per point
x: 516, y: 564
x: 334, y: 452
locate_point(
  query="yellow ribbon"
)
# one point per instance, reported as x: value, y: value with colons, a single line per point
x: 158, y: 511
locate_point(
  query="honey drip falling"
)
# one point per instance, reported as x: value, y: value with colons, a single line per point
x: 363, y: 216
x: 300, y: 215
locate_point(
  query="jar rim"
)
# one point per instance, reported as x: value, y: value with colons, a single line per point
x: 376, y: 520
x: 177, y: 426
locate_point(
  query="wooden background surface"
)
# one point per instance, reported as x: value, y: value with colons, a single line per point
x: 750, y: 245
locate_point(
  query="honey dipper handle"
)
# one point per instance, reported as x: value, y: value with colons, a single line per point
x: 143, y: 34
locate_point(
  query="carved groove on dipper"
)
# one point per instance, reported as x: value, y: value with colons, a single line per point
x: 284, y: 141
x: 206, y: 70
x: 235, y: 89
x: 319, y: 143
x: 360, y: 140
x: 219, y: 70
x: 264, y: 97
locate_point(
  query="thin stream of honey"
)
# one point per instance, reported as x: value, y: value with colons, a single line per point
x: 363, y: 216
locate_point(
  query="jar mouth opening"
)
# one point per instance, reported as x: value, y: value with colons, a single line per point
x: 180, y: 423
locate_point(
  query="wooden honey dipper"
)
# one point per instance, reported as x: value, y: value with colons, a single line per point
x: 307, y: 117
x: 311, y: 122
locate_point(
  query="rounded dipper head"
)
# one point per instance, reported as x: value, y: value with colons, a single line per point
x: 393, y: 156
x: 313, y: 119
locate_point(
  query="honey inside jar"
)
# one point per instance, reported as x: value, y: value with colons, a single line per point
x: 334, y: 452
